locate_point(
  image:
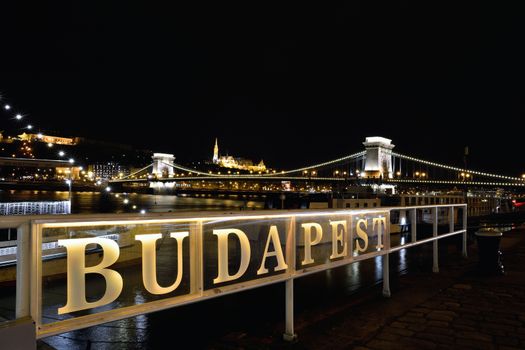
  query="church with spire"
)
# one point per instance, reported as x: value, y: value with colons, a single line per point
x: 216, y: 152
x: 236, y: 162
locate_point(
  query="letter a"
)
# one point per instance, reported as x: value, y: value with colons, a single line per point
x: 273, y: 236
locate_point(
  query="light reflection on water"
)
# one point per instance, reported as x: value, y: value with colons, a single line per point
x: 378, y: 264
x: 97, y: 202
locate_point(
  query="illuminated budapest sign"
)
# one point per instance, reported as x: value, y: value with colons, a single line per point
x: 227, y: 250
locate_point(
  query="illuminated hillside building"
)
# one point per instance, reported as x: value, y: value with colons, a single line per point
x: 236, y: 162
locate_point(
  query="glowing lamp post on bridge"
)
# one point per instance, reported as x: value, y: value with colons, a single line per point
x: 465, y: 176
x: 70, y: 180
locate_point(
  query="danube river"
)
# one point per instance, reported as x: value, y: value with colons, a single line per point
x: 97, y: 202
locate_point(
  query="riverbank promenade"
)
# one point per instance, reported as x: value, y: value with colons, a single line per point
x: 457, y: 308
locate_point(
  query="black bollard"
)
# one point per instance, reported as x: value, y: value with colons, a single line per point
x: 489, y: 251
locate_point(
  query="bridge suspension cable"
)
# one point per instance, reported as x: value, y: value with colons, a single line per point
x: 138, y: 171
x: 448, y: 167
x: 338, y: 160
x: 351, y: 156
x: 183, y: 168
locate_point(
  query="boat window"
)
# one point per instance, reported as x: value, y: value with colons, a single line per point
x: 8, y: 234
x: 4, y: 234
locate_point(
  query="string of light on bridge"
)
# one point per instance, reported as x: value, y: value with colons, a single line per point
x: 451, y: 182
x: 448, y: 167
x: 284, y: 172
x: 351, y: 156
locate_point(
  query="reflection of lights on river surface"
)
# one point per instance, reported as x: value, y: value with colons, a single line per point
x: 378, y: 262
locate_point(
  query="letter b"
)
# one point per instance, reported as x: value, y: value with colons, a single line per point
x: 77, y: 271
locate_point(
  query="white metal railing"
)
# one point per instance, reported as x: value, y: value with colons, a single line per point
x: 29, y: 253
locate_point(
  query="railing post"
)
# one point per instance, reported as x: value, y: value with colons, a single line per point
x: 465, y: 233
x: 413, y: 224
x: 196, y: 258
x: 289, y: 334
x: 23, y: 265
x: 386, y: 262
x: 451, y: 219
x: 386, y: 276
x: 36, y: 274
x: 435, y: 255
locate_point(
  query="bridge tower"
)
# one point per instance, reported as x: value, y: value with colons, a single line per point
x: 378, y: 163
x: 163, y: 164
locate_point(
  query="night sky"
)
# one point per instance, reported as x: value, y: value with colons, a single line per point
x: 254, y: 74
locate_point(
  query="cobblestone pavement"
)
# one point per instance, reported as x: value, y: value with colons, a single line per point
x: 457, y: 308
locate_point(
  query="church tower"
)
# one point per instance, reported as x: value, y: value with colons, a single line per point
x: 216, y: 152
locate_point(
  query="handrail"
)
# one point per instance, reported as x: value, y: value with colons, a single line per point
x: 342, y: 233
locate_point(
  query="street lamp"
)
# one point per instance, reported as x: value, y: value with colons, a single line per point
x: 282, y: 197
x: 69, y: 182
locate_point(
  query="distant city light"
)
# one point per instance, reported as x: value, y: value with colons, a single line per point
x: 61, y: 153
x: 134, y: 207
x: 49, y: 144
x: 108, y: 189
x: 71, y: 160
x: 18, y: 116
x: 30, y: 126
x: 99, y: 182
x: 39, y: 135
x: 142, y: 211
x: 126, y: 201
x: 68, y: 182
x: 7, y: 107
